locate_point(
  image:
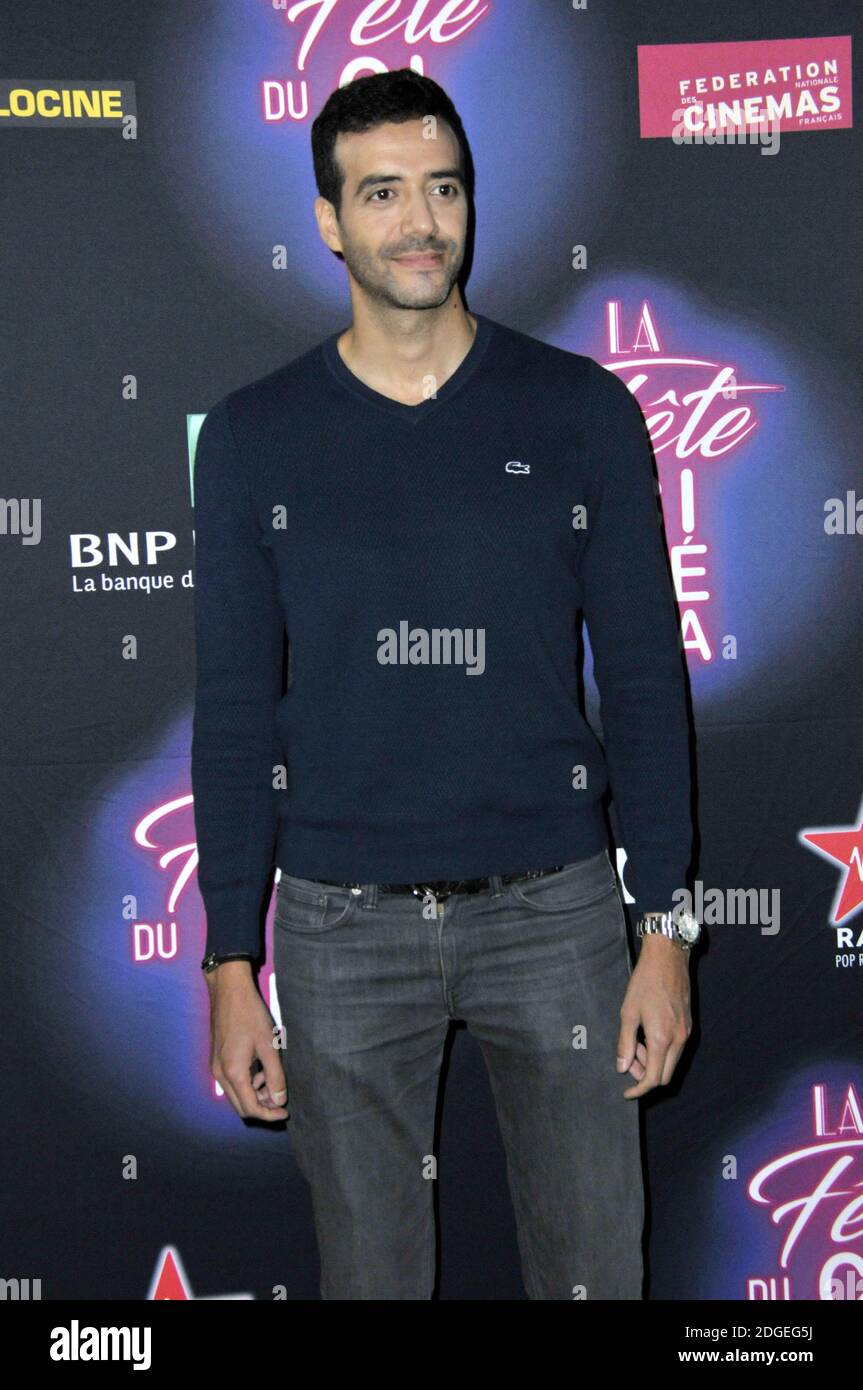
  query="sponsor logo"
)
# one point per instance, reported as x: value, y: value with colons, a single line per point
x: 714, y: 89
x: 25, y: 101
x: 842, y: 845
x: 171, y: 1284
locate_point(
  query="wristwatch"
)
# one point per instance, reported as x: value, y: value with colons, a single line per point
x: 213, y: 959
x: 680, y: 925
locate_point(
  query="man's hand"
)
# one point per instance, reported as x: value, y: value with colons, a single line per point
x: 658, y: 999
x: 241, y: 1030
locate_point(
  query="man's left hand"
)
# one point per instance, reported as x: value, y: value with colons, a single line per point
x: 657, y: 999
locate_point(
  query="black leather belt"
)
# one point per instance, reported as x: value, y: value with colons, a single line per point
x: 443, y: 887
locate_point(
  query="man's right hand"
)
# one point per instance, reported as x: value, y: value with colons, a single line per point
x: 241, y: 1029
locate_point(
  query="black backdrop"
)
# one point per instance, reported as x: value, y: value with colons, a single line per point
x: 135, y: 295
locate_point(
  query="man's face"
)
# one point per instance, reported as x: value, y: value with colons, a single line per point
x: 403, y: 217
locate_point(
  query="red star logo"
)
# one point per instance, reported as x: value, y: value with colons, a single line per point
x: 844, y: 845
x: 170, y: 1284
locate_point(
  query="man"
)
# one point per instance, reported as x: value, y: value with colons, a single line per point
x: 424, y: 503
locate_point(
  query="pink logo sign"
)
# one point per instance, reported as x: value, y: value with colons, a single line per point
x: 697, y: 411
x: 356, y: 42
x: 693, y: 89
x: 813, y: 1197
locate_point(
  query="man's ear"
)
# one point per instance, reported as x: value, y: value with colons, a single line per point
x: 328, y: 225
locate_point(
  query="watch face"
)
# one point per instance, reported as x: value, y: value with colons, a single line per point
x: 686, y: 924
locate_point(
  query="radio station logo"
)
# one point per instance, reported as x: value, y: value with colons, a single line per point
x: 170, y: 1283
x: 842, y: 845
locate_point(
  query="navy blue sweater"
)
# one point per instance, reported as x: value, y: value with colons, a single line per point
x: 428, y: 565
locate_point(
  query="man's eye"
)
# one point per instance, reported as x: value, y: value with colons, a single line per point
x: 451, y: 188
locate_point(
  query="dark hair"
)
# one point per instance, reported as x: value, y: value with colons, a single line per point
x: 381, y: 97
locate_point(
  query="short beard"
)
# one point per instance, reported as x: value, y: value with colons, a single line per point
x: 363, y: 269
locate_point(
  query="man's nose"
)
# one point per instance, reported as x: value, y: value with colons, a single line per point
x: 418, y: 218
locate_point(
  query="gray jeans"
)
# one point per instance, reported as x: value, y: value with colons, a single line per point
x: 368, y: 986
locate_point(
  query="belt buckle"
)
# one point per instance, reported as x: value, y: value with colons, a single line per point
x: 421, y: 889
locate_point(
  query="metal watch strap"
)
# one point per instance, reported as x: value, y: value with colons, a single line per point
x: 664, y: 926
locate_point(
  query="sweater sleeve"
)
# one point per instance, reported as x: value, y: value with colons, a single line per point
x: 239, y: 640
x: 633, y: 627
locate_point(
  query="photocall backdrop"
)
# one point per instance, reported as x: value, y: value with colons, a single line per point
x: 160, y: 250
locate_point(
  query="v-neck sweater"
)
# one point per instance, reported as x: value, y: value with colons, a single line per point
x: 386, y: 612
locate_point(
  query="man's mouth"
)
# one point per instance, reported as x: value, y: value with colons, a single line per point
x: 421, y: 260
